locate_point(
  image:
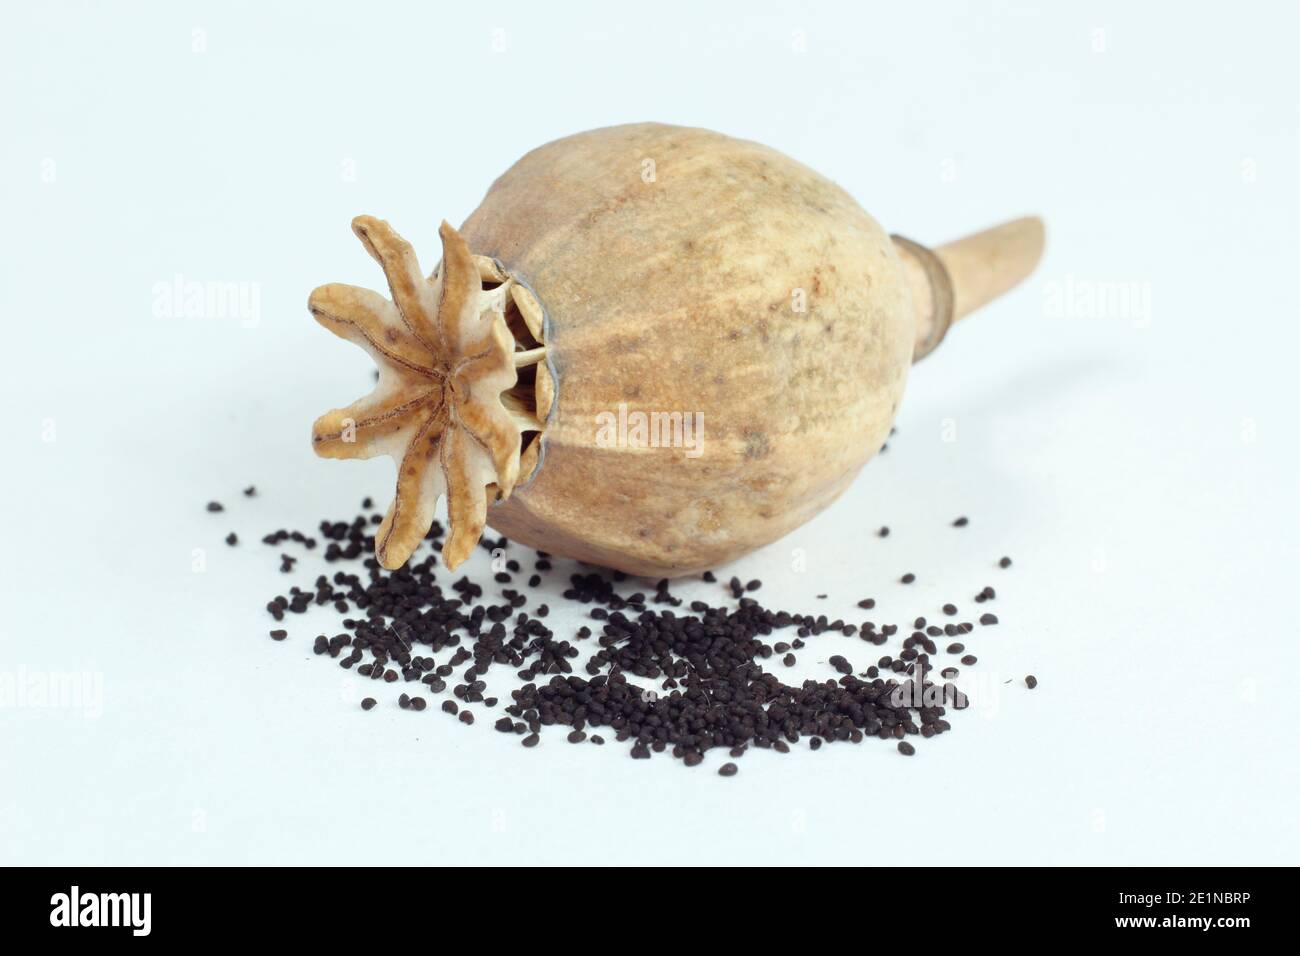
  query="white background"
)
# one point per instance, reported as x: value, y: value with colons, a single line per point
x: 1136, y: 457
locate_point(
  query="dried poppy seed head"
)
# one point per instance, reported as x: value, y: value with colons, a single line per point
x: 629, y: 276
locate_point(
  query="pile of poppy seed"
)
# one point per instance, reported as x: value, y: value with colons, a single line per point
x: 707, y: 662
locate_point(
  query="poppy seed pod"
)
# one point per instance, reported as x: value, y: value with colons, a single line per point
x: 651, y: 348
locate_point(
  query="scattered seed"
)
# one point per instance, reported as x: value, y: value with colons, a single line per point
x: 1031, y: 681
x: 711, y: 688
x: 368, y: 703
x: 728, y: 770
x: 905, y: 748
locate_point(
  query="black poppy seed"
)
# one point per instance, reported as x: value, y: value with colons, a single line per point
x: 404, y: 702
x: 905, y: 748
x: 955, y: 648
x: 215, y: 506
x: 948, y: 673
x: 418, y: 703
x: 950, y: 609
x: 969, y: 659
x: 531, y: 740
x: 713, y: 690
x: 279, y: 635
x: 883, y: 532
x: 368, y: 703
x: 466, y: 717
x: 728, y: 770
x: 989, y: 619
x: 1031, y: 681
x: 961, y: 522
x: 232, y: 539
x: 1004, y: 563
x: 908, y: 578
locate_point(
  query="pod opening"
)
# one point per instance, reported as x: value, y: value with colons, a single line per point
x: 531, y: 396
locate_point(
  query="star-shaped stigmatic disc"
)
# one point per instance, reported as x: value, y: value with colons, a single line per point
x: 445, y: 355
